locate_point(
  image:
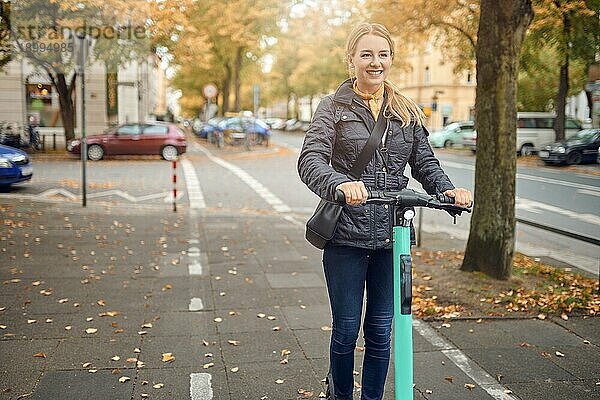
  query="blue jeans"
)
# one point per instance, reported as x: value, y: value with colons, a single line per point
x: 347, y: 271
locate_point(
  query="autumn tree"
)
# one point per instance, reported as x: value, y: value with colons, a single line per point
x: 570, y: 28
x: 502, y: 28
x: 451, y: 24
x: 45, y: 33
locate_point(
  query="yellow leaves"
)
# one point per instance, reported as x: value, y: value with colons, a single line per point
x: 469, y: 386
x: 233, y: 342
x: 40, y: 355
x: 208, y: 365
x: 168, y: 357
x: 168, y: 286
x: 124, y: 379
x: 158, y: 385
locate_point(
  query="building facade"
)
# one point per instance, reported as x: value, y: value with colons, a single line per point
x: 427, y: 78
x: 132, y: 93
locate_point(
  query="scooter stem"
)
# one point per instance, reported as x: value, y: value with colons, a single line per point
x: 403, y: 345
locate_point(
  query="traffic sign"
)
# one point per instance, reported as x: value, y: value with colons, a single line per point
x: 210, y: 90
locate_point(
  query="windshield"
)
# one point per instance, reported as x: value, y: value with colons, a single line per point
x: 586, y: 135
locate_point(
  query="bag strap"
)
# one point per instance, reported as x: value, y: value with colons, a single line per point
x: 366, y: 154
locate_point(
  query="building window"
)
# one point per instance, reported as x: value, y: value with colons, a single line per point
x: 41, y: 109
x: 427, y: 79
x: 469, y: 77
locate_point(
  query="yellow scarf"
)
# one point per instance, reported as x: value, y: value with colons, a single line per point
x: 374, y: 100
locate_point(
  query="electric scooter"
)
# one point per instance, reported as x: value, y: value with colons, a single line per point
x: 402, y: 203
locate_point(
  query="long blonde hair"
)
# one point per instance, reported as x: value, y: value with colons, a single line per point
x: 397, y: 105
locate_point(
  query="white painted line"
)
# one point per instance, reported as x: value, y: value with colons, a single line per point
x: 471, y: 369
x: 193, y: 251
x: 195, y: 195
x: 53, y: 192
x: 255, y: 185
x: 200, y: 386
x: 585, y: 191
x: 528, y: 177
x: 537, y: 207
x: 195, y: 269
x: 196, y: 304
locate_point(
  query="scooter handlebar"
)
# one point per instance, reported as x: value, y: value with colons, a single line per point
x: 409, y: 198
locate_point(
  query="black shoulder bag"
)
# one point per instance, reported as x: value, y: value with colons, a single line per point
x: 321, y: 226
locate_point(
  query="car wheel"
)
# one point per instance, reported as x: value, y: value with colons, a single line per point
x: 526, y: 150
x: 447, y: 144
x: 169, y: 153
x: 574, y: 158
x: 95, y: 152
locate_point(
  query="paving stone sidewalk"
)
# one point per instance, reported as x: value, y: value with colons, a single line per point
x: 91, y: 297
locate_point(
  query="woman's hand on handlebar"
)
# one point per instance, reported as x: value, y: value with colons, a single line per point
x: 462, y: 197
x: 355, y: 192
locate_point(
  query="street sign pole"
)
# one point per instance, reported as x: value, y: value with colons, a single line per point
x: 81, y: 67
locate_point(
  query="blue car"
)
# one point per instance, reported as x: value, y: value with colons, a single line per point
x: 15, y: 166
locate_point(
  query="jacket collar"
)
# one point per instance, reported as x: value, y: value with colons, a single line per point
x: 344, y: 93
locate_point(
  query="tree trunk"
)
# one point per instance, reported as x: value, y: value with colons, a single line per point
x: 237, y: 82
x: 502, y: 27
x: 563, y: 85
x: 288, y: 111
x: 226, y: 88
x: 67, y: 108
x: 561, y: 101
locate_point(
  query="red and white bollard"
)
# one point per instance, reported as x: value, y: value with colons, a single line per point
x: 174, y: 185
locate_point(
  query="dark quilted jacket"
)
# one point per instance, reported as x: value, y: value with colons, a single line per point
x: 338, y: 132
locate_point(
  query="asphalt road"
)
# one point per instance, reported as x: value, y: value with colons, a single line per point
x: 265, y: 180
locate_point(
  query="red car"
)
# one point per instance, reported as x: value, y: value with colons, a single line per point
x: 164, y: 139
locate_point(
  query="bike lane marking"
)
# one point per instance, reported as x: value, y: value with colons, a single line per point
x: 254, y: 184
x: 200, y: 386
x: 196, y: 198
x: 466, y: 365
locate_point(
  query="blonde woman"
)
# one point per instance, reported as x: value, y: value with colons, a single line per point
x: 360, y: 254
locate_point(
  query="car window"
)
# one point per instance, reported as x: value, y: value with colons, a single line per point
x: 526, y: 123
x: 572, y: 124
x: 544, y: 123
x: 156, y: 130
x: 132, y: 129
x: 587, y: 135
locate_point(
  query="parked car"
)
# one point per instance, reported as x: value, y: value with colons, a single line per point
x: 238, y: 128
x: 205, y: 129
x: 15, y: 166
x: 580, y: 148
x: 451, y: 134
x: 164, y: 139
x: 276, y: 123
x: 533, y: 130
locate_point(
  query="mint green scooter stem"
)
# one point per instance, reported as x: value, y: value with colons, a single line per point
x: 403, y: 344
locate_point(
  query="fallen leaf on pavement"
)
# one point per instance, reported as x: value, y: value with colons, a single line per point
x: 116, y: 358
x: 147, y: 325
x: 92, y: 371
x: 158, y: 385
x: 208, y: 365
x: 40, y: 355
x: 101, y: 302
x: 469, y: 386
x: 218, y: 319
x: 279, y: 381
x: 326, y: 328
x: 233, y: 342
x: 124, y: 379
x: 31, y: 321
x: 168, y: 357
x: 305, y: 393
x: 168, y: 286
x: 91, y: 330
x: 449, y: 379
x: 261, y: 315
x: 559, y: 354
x: 86, y: 365
x: 235, y: 369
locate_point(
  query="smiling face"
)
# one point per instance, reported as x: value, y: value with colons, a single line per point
x: 372, y: 60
